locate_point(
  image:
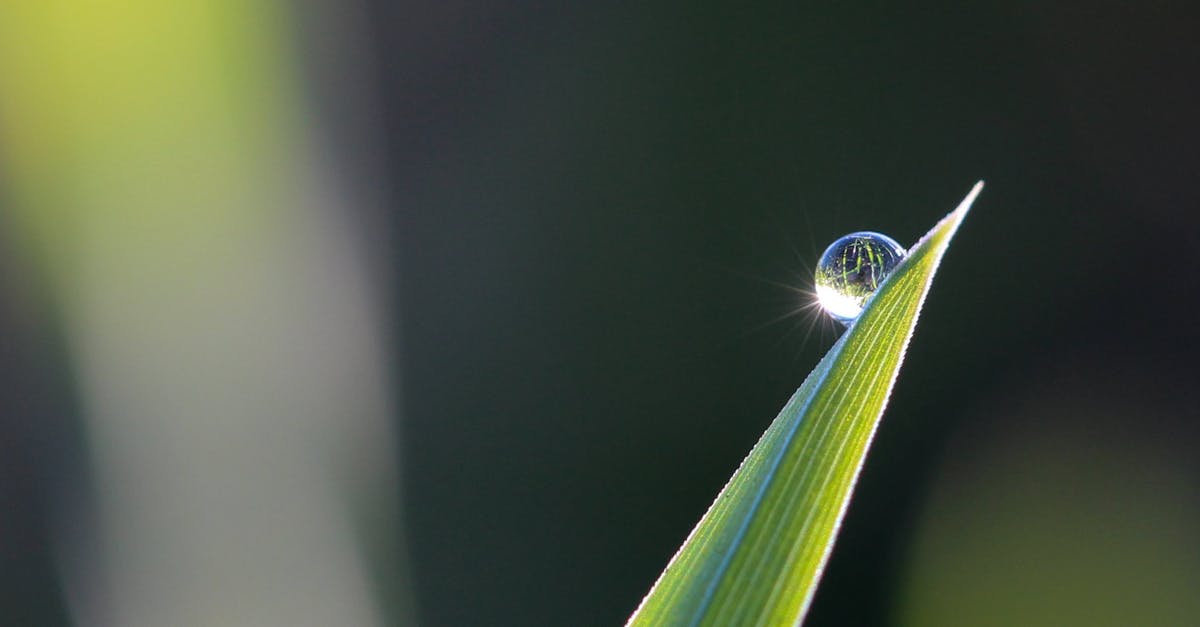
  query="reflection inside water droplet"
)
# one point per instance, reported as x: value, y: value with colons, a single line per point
x: 851, y: 269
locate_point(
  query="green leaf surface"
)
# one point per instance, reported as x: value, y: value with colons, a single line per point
x: 756, y: 556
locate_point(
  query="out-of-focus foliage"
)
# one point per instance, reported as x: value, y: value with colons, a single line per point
x: 217, y: 318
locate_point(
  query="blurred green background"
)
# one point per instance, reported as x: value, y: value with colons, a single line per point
x: 461, y: 313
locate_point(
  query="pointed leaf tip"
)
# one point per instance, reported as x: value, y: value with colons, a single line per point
x: 757, y: 554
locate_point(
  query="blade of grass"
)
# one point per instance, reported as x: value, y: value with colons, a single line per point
x: 756, y: 556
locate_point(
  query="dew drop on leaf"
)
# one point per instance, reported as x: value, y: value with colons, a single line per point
x: 851, y: 269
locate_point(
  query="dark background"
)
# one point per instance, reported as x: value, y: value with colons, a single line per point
x: 596, y: 199
x: 597, y: 208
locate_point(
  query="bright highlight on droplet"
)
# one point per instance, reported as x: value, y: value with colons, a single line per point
x: 851, y: 269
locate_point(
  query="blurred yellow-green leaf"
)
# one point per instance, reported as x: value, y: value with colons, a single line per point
x: 159, y: 177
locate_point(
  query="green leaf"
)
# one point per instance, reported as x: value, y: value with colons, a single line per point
x: 756, y: 556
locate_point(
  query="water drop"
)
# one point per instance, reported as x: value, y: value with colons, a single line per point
x: 851, y: 269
